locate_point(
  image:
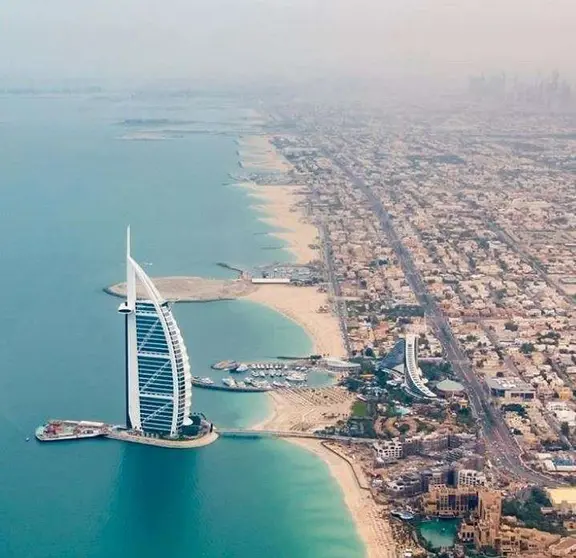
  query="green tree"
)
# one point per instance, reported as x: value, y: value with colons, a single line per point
x: 527, y: 348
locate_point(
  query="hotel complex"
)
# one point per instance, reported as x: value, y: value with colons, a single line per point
x: 158, y: 379
x: 403, y: 359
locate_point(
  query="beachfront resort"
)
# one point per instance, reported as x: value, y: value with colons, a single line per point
x: 438, y: 447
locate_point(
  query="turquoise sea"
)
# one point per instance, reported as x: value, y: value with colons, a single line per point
x: 69, y: 187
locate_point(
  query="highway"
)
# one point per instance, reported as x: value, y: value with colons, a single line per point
x: 505, y: 452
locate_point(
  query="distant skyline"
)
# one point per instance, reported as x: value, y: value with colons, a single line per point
x: 259, y: 39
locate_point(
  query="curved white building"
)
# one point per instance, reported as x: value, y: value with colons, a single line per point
x: 413, y: 375
x: 158, y: 379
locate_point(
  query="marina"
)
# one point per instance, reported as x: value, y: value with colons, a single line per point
x: 234, y: 366
x: 208, y: 383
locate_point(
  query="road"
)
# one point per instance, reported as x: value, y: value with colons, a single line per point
x: 500, y: 443
x: 334, y: 291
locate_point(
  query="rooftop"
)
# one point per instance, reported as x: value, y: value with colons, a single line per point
x: 508, y: 383
x: 449, y: 385
x: 562, y: 495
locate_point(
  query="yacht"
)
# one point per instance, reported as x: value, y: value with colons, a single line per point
x: 296, y: 377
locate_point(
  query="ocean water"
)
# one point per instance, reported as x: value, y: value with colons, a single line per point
x: 68, y: 189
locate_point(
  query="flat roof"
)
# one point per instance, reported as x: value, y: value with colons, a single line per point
x: 562, y: 495
x: 509, y: 383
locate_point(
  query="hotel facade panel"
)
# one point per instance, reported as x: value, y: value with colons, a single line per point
x: 159, y: 388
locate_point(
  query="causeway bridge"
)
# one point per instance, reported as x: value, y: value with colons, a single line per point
x: 248, y: 433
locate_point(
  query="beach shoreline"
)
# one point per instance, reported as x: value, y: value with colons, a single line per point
x: 291, y: 411
x: 282, y: 209
x: 302, y: 305
x: 283, y: 206
x: 371, y: 526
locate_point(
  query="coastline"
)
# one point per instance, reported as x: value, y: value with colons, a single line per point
x: 372, y: 527
x: 283, y: 206
x: 301, y: 305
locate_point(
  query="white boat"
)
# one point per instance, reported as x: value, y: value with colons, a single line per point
x: 296, y: 377
x: 207, y: 381
x: 229, y: 382
x: 242, y: 367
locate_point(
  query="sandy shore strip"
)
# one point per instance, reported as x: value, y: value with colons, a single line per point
x: 302, y: 305
x: 373, y: 529
x: 305, y: 409
x: 309, y: 409
x: 258, y: 153
x: 282, y: 206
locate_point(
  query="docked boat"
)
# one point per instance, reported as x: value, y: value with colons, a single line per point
x: 297, y: 377
x: 241, y: 368
x: 225, y: 365
x: 203, y: 381
x: 229, y: 382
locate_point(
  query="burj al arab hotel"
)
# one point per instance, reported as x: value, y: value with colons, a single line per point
x: 158, y: 379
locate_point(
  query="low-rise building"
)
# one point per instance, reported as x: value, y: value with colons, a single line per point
x: 389, y: 450
x: 510, y: 389
x: 470, y: 477
x: 444, y: 501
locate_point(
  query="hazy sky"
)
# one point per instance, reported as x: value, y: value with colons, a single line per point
x: 195, y: 38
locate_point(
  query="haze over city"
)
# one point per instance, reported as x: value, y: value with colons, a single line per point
x: 293, y: 39
x: 374, y: 202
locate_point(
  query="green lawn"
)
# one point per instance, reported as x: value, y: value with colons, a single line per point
x: 360, y: 409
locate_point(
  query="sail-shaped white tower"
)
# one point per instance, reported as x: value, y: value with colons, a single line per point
x: 158, y: 379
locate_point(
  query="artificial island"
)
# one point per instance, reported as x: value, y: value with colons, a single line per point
x: 158, y: 378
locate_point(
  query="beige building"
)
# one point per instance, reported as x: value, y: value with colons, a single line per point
x: 565, y: 547
x: 489, y: 515
x: 444, y: 501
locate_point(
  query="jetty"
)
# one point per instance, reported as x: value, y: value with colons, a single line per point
x: 256, y: 433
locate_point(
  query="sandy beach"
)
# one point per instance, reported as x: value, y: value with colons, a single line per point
x: 258, y: 153
x: 301, y: 304
x: 282, y: 206
x: 373, y: 529
x: 309, y: 409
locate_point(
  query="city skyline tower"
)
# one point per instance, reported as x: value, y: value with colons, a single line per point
x: 158, y: 378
